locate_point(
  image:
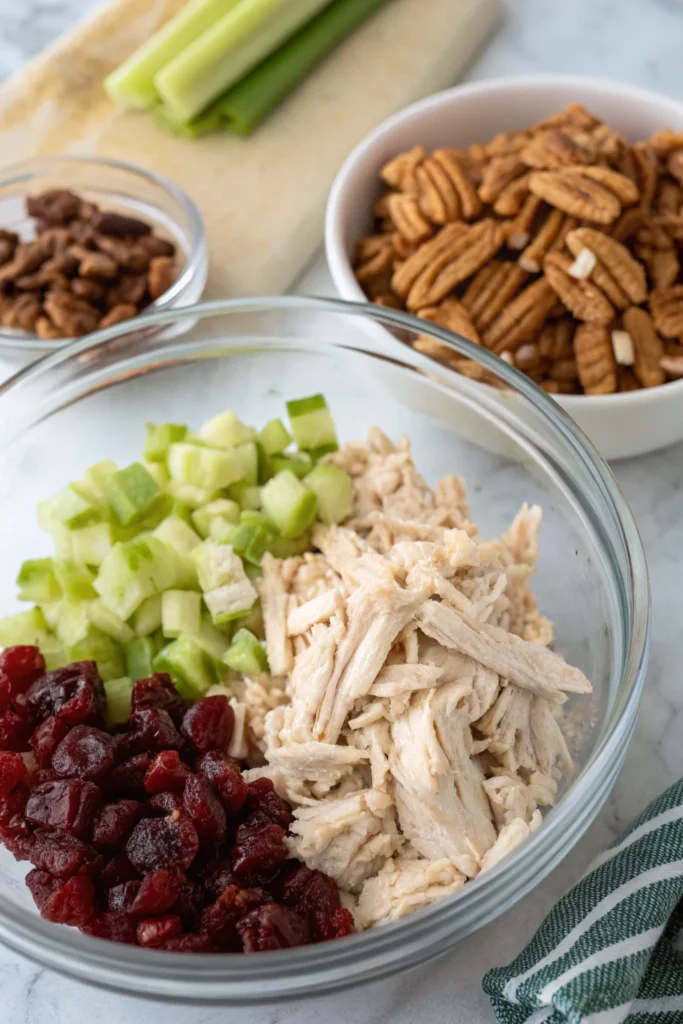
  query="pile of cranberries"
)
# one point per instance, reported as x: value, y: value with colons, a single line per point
x: 148, y: 835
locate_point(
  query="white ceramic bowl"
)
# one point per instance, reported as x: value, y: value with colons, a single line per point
x: 619, y: 425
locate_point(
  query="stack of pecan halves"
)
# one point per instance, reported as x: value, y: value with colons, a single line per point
x: 558, y: 248
x: 85, y: 268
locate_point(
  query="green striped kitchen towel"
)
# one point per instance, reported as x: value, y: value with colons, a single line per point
x: 611, y: 950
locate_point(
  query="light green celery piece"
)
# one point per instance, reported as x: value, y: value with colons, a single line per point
x: 91, y: 544
x: 147, y: 618
x: 189, y: 665
x: 158, y: 473
x: 51, y: 612
x: 230, y: 601
x: 217, y: 564
x: 134, y: 571
x: 180, y: 612
x: 209, y: 469
x: 132, y: 84
x: 189, y: 495
x: 73, y: 622
x: 105, y: 619
x: 178, y: 535
x: 131, y: 493
x: 222, y: 508
x: 99, y: 647
x: 226, y: 430
x: 68, y: 508
x: 93, y: 483
x: 334, y: 491
x: 300, y: 463
x: 312, y: 424
x: 248, y: 496
x: 75, y: 580
x: 227, y: 51
x: 211, y: 639
x: 23, y: 628
x: 288, y: 504
x: 139, y: 654
x: 160, y: 437
x: 37, y: 582
x: 246, y: 654
x: 274, y: 437
x: 119, y: 694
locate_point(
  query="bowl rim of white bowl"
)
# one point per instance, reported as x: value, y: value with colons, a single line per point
x: 338, y: 260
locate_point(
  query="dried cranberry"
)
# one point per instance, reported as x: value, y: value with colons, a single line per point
x: 122, y: 897
x: 159, y: 692
x: 128, y: 778
x: 339, y: 924
x: 225, y: 775
x: 159, y: 891
x: 13, y: 811
x: 166, y: 772
x: 221, y: 916
x: 15, y: 729
x: 272, y: 927
x: 190, y: 902
x: 12, y: 771
x: 205, y: 809
x: 22, y: 665
x: 163, y: 843
x: 316, y: 898
x: 117, y: 871
x: 69, y: 804
x: 263, y: 799
x: 218, y: 879
x: 20, y: 846
x: 208, y: 724
x: 114, y: 925
x: 84, y: 753
x: 55, y: 206
x: 150, y: 731
x: 5, y: 690
x: 41, y: 885
x: 113, y: 823
x: 60, y: 854
x: 46, y: 738
x: 200, y: 942
x: 167, y: 803
x: 73, y: 693
x: 157, y: 931
x: 72, y: 903
x: 117, y: 225
x: 258, y: 851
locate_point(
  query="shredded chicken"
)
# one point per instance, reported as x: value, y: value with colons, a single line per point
x: 414, y: 713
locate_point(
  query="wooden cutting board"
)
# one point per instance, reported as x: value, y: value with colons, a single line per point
x: 263, y: 198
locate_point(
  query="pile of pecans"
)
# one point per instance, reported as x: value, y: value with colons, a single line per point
x: 558, y: 248
x: 85, y: 269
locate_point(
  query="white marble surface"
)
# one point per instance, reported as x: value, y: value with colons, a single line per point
x: 632, y: 40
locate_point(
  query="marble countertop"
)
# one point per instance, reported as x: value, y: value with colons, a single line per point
x: 632, y: 40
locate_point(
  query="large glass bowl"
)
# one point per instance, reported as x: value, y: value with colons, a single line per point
x: 92, y: 399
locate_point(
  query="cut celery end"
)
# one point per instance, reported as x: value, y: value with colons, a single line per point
x: 23, y: 628
x: 231, y: 600
x: 160, y: 437
x: 222, y: 508
x: 147, y: 618
x: 210, y: 639
x: 311, y: 422
x: 108, y: 622
x: 37, y: 581
x: 180, y: 612
x: 73, y: 622
x: 91, y: 544
x: 119, y: 694
x: 299, y: 463
x: 189, y: 665
x: 209, y: 469
x: 246, y: 495
x: 139, y: 655
x: 289, y: 505
x: 226, y: 431
x: 75, y: 580
x: 178, y: 535
x: 246, y: 654
x: 334, y: 491
x: 100, y: 648
x: 131, y: 493
x: 92, y: 485
x: 274, y: 437
x: 68, y: 508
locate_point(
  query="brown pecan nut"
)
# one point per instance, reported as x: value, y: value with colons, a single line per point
x: 616, y: 262
x: 454, y: 316
x: 93, y: 264
x: 129, y: 289
x: 627, y: 379
x: 543, y: 242
x: 554, y: 148
x: 628, y: 224
x: 581, y: 297
x: 664, y: 268
x: 669, y: 199
x: 117, y: 314
x: 520, y: 229
x: 160, y: 276
x: 119, y: 226
x: 8, y: 243
x: 521, y: 319
x: 73, y: 316
x: 574, y: 114
x: 497, y: 175
x: 57, y: 206
x: 672, y: 366
x: 666, y: 141
x: 648, y: 347
x: 555, y: 340
x: 674, y: 165
x: 576, y: 194
x: 666, y: 307
x: 87, y: 288
x: 437, y: 196
x: 595, y: 359
x: 647, y: 175
x: 125, y: 253
x: 408, y: 217
x: 27, y: 257
x: 399, y: 173
x: 470, y: 203
x: 564, y: 369
x: 374, y: 260
x: 46, y: 330
x: 22, y: 312
x: 513, y: 196
x: 620, y: 185
x: 480, y: 244
x: 490, y: 291
x: 506, y: 143
x: 444, y: 246
x: 155, y: 246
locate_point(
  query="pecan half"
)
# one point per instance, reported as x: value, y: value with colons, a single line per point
x: 470, y: 203
x: 506, y: 143
x: 532, y: 258
x: 490, y: 291
x: 648, y: 348
x: 447, y: 243
x: 674, y: 165
x: 57, y: 206
x: 555, y: 340
x: 437, y: 195
x: 399, y: 173
x: 497, y: 175
x: 581, y: 297
x: 615, y: 261
x: 595, y: 359
x: 647, y: 175
x: 581, y: 197
x: 117, y: 314
x: 73, y: 316
x: 520, y: 229
x: 666, y: 307
x: 521, y: 319
x: 554, y: 148
x: 408, y: 217
x: 22, y: 312
x: 374, y: 260
x: 160, y: 276
x: 480, y: 243
x: 119, y: 226
x: 512, y: 197
x: 454, y: 316
x: 669, y: 197
x: 621, y: 186
x: 574, y: 114
x: 627, y: 225
x: 94, y: 264
x: 666, y: 141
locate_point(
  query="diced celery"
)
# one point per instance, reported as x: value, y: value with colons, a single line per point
x: 253, y: 621
x: 23, y: 628
x: 250, y: 540
x: 227, y: 510
x: 288, y: 547
x: 312, y: 424
x: 230, y: 601
x: 99, y: 647
x: 56, y: 656
x: 160, y: 437
x: 178, y: 535
x: 211, y: 639
x: 37, y: 581
x: 134, y: 571
x: 131, y: 493
x: 187, y: 494
x: 147, y: 618
x: 139, y: 654
x: 274, y: 437
x: 322, y: 450
x: 300, y: 464
x: 189, y: 665
x: 73, y: 622
x: 68, y: 508
x: 91, y: 544
x: 289, y: 505
x: 334, y: 491
x: 75, y: 580
x: 225, y: 431
x: 110, y: 623
x: 217, y: 564
x: 181, y: 511
x: 63, y: 542
x: 158, y: 473
x: 118, y: 693
x: 180, y: 612
x: 92, y: 485
x: 247, y: 495
x: 51, y: 613
x: 207, y: 468
x: 246, y: 654
x: 247, y: 453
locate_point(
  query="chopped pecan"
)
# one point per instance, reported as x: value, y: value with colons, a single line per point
x: 666, y: 307
x: 27, y: 257
x: 520, y: 229
x: 437, y: 195
x: 444, y: 245
x: 161, y: 276
x: 543, y: 242
x: 22, y: 311
x: 94, y: 264
x: 512, y: 197
x: 399, y: 173
x: 454, y: 316
x: 490, y: 291
x: 576, y: 194
x: 647, y: 175
x: 408, y: 217
x: 627, y: 225
x: 497, y: 175
x: 521, y: 319
x: 119, y: 225
x: 615, y: 265
x: 73, y: 316
x: 554, y: 148
x: 595, y: 359
x: 555, y: 340
x: 57, y: 206
x: 669, y: 198
x: 44, y: 277
x: 117, y: 314
x: 82, y: 232
x: 470, y: 203
x: 648, y: 348
x: 581, y: 297
x: 470, y: 252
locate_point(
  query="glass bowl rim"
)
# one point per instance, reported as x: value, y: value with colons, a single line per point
x: 21, y: 170
x: 313, y: 969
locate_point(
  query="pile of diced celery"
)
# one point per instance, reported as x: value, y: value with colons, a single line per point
x: 153, y: 564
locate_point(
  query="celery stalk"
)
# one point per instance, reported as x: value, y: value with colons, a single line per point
x: 132, y: 84
x: 227, y: 51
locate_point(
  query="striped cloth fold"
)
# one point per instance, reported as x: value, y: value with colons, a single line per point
x: 611, y: 950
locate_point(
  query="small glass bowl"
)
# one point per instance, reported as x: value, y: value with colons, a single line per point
x: 114, y: 185
x: 91, y: 401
